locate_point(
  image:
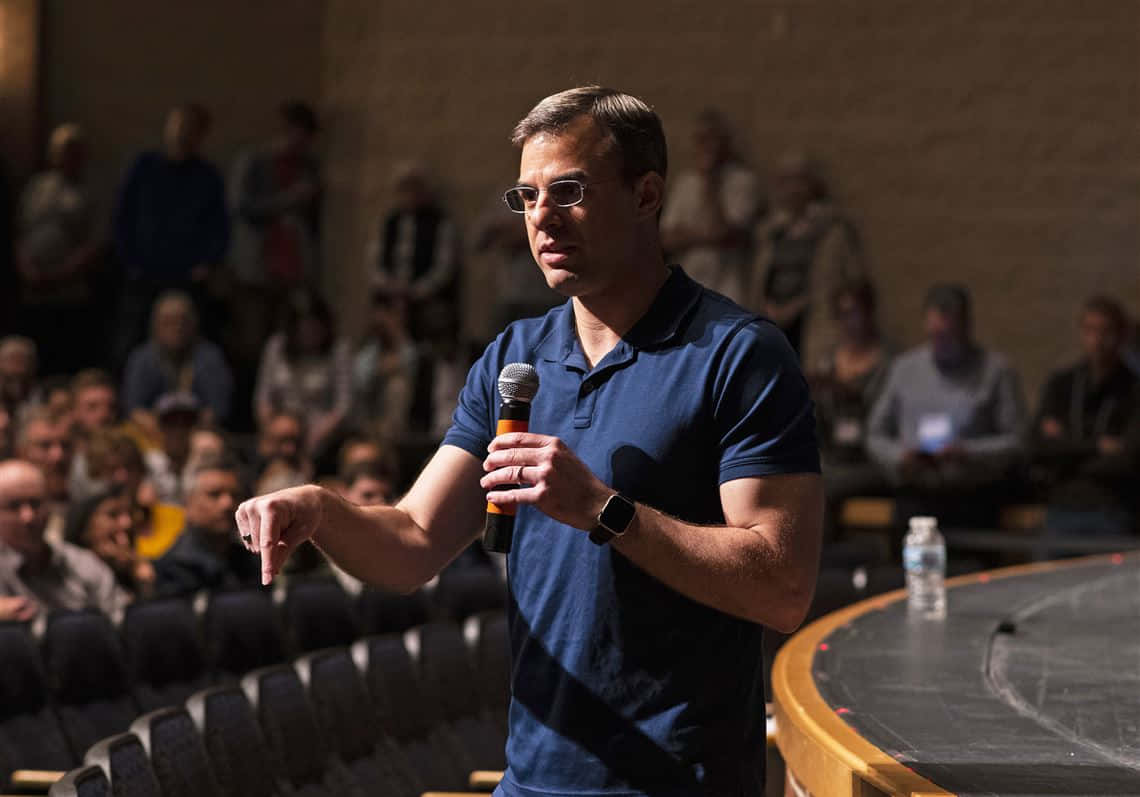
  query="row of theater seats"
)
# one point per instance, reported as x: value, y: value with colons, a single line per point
x: 364, y: 720
x: 85, y: 679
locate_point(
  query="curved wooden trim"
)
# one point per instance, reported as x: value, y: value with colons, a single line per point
x: 826, y: 755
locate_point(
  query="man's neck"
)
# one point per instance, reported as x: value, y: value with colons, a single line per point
x: 217, y: 543
x: 601, y: 319
x: 1101, y: 370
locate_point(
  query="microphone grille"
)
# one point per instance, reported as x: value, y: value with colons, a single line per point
x: 518, y: 382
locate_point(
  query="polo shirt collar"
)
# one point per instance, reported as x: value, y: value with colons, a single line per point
x: 660, y: 323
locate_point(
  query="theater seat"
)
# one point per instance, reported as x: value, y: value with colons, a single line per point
x: 123, y: 758
x: 86, y: 781
x: 492, y: 664
x: 348, y: 724
x: 164, y: 653
x: 318, y: 614
x: 468, y: 591
x: 88, y: 677
x: 292, y: 735
x: 177, y: 754
x: 30, y: 735
x: 383, y: 612
x: 242, y: 633
x: 234, y: 743
x: 410, y: 715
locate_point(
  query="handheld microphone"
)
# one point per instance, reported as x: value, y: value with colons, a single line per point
x: 518, y: 384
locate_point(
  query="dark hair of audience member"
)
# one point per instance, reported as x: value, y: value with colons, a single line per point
x: 91, y: 377
x: 949, y: 299
x: 300, y: 115
x: 224, y: 462
x: 861, y: 290
x: 368, y: 469
x: 306, y: 307
x: 80, y: 512
x: 1110, y: 309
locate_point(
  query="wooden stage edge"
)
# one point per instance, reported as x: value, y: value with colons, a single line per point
x: 824, y: 754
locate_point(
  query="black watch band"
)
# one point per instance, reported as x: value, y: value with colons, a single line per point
x: 613, y: 520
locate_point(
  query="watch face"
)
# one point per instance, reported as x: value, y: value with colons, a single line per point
x: 617, y: 514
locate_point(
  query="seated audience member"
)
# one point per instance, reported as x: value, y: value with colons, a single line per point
x: 117, y: 464
x: 58, y: 251
x: 361, y: 448
x: 44, y: 441
x: 38, y: 574
x: 948, y: 422
x: 384, y: 370
x: 307, y: 369
x: 710, y: 212
x: 94, y: 409
x: 105, y: 524
x: 177, y: 360
x: 177, y: 415
x: 844, y: 385
x: 367, y: 483
x: 1082, y: 450
x: 208, y: 554
x: 281, y: 443
x: 19, y: 388
x: 805, y: 250
x: 416, y: 254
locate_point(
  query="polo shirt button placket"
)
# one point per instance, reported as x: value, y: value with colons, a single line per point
x: 584, y: 408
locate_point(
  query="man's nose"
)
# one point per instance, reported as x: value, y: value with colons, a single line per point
x: 27, y: 513
x: 545, y: 214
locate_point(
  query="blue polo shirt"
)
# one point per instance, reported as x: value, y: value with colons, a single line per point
x: 621, y: 685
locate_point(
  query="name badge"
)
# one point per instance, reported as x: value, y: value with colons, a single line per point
x: 935, y: 431
x: 848, y: 431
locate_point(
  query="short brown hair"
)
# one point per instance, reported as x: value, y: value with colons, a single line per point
x: 1109, y: 308
x: 91, y: 377
x: 105, y: 446
x: 632, y: 126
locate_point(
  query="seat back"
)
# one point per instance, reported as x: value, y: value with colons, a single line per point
x: 341, y: 703
x: 468, y: 591
x: 87, y: 677
x: 242, y: 632
x: 163, y: 651
x: 318, y: 614
x: 446, y: 670
x: 29, y: 731
x: 383, y: 612
x: 86, y: 781
x: 493, y: 662
x: 177, y: 754
x: 123, y: 758
x: 233, y: 741
x: 398, y: 697
x: 288, y: 723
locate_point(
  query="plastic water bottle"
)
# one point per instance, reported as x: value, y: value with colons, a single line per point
x: 924, y: 560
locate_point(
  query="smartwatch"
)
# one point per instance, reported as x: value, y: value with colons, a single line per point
x: 613, y: 520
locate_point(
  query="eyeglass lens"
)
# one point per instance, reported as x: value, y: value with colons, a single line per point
x: 563, y: 193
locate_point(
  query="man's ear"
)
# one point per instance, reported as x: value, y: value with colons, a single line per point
x: 650, y: 193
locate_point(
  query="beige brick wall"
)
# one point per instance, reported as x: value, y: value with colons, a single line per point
x: 990, y: 142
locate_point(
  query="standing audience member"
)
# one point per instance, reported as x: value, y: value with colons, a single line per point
x: 171, y: 224
x: 177, y: 360
x: 947, y: 425
x: 519, y: 290
x: 710, y: 212
x: 384, y: 371
x: 38, y: 574
x: 844, y: 385
x: 307, y: 369
x: 18, y: 385
x: 105, y: 524
x: 417, y: 252
x: 208, y: 554
x: 805, y: 250
x: 1082, y: 450
x: 58, y: 250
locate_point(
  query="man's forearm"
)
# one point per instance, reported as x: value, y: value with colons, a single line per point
x: 739, y: 571
x: 380, y: 545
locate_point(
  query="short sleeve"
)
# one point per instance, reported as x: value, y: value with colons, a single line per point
x: 471, y: 423
x: 762, y: 409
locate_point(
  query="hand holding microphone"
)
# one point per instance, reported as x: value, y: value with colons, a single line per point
x: 518, y: 384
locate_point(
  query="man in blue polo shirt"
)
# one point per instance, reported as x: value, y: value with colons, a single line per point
x: 671, y: 502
